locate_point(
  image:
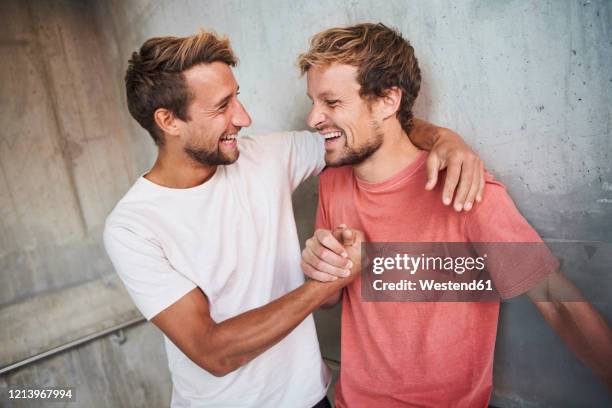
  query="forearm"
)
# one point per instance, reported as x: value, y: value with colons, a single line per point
x: 236, y: 341
x: 584, y: 331
x: 424, y: 134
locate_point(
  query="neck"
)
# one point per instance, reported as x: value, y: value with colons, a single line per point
x: 396, y: 153
x: 178, y: 170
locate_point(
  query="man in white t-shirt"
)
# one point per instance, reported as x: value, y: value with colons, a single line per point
x: 206, y: 242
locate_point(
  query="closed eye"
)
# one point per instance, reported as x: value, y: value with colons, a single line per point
x: 225, y: 102
x: 332, y: 102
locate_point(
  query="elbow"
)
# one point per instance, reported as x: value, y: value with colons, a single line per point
x: 219, y: 367
x: 219, y: 371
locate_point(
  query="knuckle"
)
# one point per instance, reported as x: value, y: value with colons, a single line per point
x: 324, y: 277
x: 450, y: 185
x: 458, y: 155
x: 327, y: 241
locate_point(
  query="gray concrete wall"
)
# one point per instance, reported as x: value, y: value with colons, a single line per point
x: 527, y: 83
x: 65, y: 159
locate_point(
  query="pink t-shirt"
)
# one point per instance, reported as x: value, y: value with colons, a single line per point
x: 398, y: 354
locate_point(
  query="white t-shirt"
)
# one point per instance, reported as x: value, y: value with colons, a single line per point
x: 234, y: 237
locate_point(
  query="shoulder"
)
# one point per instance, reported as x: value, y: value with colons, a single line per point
x: 495, y: 195
x: 132, y: 211
x: 497, y: 219
x: 273, y: 140
x: 280, y: 141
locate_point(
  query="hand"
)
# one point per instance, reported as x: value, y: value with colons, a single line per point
x: 464, y: 168
x: 331, y: 255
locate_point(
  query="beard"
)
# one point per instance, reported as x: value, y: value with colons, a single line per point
x: 210, y: 158
x: 352, y: 156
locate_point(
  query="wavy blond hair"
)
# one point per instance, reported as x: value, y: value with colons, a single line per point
x: 383, y: 58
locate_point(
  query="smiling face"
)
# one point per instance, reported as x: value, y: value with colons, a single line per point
x: 351, y: 129
x: 214, y: 116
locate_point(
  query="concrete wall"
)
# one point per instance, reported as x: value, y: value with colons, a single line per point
x: 64, y: 161
x: 528, y: 84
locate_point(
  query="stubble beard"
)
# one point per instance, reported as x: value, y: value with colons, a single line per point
x: 353, y: 156
x: 210, y: 158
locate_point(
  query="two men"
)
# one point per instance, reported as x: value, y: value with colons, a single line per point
x: 206, y: 242
x: 363, y: 81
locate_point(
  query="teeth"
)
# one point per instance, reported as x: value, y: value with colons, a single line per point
x: 229, y: 137
x: 333, y: 134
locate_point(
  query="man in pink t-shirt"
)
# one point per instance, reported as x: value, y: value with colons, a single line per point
x: 363, y: 81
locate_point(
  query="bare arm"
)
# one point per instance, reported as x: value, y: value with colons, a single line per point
x: 220, y: 348
x: 580, y: 326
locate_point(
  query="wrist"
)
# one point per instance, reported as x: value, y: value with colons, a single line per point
x: 323, y: 290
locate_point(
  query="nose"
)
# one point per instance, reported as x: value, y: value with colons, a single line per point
x: 240, y: 117
x: 316, y: 118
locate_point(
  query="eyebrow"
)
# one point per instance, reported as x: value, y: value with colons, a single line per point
x: 322, y: 95
x: 227, y: 98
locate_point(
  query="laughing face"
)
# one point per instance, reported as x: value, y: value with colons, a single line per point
x: 352, y: 132
x: 215, y: 116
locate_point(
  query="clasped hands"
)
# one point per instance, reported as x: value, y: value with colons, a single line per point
x: 332, y: 255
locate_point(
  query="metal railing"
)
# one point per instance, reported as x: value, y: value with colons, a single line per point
x: 71, y: 345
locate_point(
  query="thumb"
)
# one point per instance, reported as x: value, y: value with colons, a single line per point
x: 337, y: 232
x: 348, y: 237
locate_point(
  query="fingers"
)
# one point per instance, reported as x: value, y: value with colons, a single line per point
x: 433, y: 168
x: 348, y: 237
x: 465, y: 182
x: 337, y: 232
x: 452, y: 179
x: 482, y: 182
x: 323, y: 265
x: 312, y: 273
x: 326, y: 255
x: 324, y: 258
x: 326, y: 239
x: 355, y: 238
x: 474, y: 187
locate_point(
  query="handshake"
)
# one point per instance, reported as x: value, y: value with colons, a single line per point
x: 333, y: 255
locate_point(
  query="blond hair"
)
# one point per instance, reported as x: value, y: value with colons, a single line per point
x: 384, y: 59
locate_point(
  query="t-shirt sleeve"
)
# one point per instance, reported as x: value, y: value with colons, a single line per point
x: 517, y: 257
x: 300, y: 153
x: 141, y: 264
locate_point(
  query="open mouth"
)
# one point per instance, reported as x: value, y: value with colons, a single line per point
x: 332, y: 138
x: 228, y: 140
x: 333, y: 135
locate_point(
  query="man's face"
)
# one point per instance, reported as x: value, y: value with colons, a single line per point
x: 215, y: 115
x: 352, y: 132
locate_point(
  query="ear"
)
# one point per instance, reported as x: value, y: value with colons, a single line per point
x: 389, y: 104
x: 166, y: 121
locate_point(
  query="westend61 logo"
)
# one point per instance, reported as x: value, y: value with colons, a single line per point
x: 451, y: 271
